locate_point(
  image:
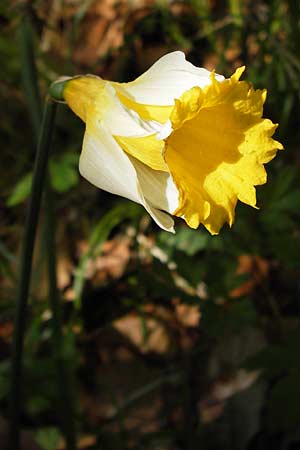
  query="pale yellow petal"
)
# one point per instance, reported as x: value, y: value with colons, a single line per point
x: 146, y: 112
x: 148, y: 150
x: 81, y: 91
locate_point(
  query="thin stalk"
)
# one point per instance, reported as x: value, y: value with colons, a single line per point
x: 63, y: 377
x: 33, y: 97
x: 235, y: 8
x: 189, y: 407
x: 31, y: 221
x: 29, y: 74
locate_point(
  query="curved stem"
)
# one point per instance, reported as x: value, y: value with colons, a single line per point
x: 33, y: 97
x: 31, y: 222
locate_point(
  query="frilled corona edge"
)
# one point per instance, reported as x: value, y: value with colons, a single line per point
x: 179, y: 140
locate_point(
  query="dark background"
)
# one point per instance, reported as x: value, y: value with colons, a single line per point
x: 182, y: 341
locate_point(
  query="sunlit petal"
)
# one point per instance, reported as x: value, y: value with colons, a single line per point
x: 166, y: 80
x: 105, y: 165
x: 177, y: 140
x: 217, y: 150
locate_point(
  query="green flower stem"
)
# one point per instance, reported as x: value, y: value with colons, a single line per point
x: 63, y: 375
x: 39, y: 173
x: 29, y: 74
x: 32, y: 93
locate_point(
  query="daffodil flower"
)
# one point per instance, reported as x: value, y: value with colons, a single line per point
x: 179, y: 140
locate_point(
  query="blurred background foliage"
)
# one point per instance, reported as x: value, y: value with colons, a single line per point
x: 182, y: 341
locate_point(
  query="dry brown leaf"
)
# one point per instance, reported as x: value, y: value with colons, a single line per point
x: 256, y: 267
x: 110, y: 264
x: 211, y: 407
x: 65, y: 269
x: 210, y: 410
x: 188, y: 315
x: 241, y: 380
x: 6, y: 330
x: 101, y: 30
x: 158, y: 339
x: 83, y: 442
x: 113, y: 260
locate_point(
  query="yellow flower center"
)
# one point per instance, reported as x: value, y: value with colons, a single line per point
x: 217, y: 150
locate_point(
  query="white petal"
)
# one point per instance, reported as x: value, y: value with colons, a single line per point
x: 104, y: 164
x: 162, y: 219
x: 166, y: 80
x: 165, y: 130
x: 117, y: 118
x: 158, y: 187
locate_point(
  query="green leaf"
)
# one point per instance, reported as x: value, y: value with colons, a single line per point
x: 21, y: 191
x: 276, y: 359
x: 4, y: 379
x: 99, y: 235
x: 186, y: 240
x: 284, y: 403
x: 278, y: 189
x: 64, y: 172
x: 235, y: 316
x: 37, y: 405
x: 48, y: 438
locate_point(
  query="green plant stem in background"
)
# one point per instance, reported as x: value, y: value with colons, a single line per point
x: 33, y: 97
x: 65, y: 391
x: 29, y: 74
x: 235, y: 8
x: 25, y: 272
